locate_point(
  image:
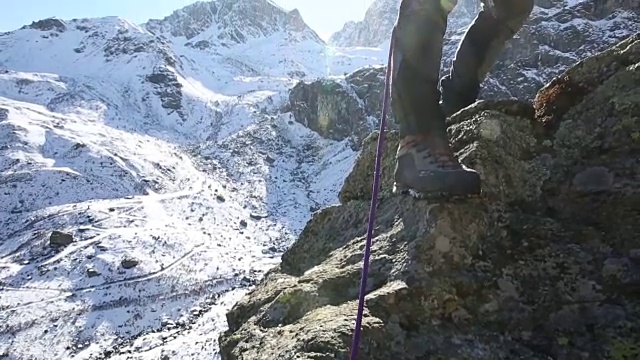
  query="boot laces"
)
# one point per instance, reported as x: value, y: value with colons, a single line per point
x: 442, y: 157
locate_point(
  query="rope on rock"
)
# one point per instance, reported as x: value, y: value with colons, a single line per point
x: 374, y: 204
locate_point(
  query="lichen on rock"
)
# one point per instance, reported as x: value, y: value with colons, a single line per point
x: 543, y: 265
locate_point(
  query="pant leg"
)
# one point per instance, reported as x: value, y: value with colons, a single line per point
x: 497, y: 22
x: 417, y: 53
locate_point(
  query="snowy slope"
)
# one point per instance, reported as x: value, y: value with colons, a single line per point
x: 168, y: 163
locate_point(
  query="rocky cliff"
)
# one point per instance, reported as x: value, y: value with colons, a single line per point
x: 340, y: 109
x: 545, y: 264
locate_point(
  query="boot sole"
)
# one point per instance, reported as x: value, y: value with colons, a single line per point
x: 432, y: 195
x: 436, y: 183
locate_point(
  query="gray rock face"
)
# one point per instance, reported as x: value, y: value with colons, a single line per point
x: 368, y: 85
x: 330, y: 109
x: 48, y: 24
x: 534, y: 268
x: 168, y: 89
x: 232, y: 21
x: 340, y: 110
x: 373, y: 30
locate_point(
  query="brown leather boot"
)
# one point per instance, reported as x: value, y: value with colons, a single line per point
x: 427, y: 165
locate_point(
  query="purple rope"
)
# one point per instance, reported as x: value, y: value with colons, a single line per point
x: 372, y: 209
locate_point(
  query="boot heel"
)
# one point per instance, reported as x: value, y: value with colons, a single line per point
x: 400, y: 189
x: 437, y: 197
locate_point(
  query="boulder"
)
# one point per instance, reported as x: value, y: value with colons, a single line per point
x: 60, y: 239
x: 129, y: 262
x: 543, y: 265
x: 4, y: 114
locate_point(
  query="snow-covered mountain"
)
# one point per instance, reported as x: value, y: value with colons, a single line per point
x: 558, y: 34
x: 148, y: 176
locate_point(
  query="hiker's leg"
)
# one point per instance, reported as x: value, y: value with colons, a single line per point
x: 417, y: 54
x: 497, y: 22
x: 425, y: 162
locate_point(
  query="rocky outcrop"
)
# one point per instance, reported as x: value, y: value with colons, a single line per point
x: 368, y: 85
x: 126, y: 42
x: 48, y: 24
x: 543, y: 265
x: 338, y: 110
x: 330, y: 109
x: 168, y: 89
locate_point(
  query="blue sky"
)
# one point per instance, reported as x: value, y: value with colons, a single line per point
x: 324, y: 16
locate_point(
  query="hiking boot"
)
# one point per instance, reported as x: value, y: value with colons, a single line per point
x: 426, y: 164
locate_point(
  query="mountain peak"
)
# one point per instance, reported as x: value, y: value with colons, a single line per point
x: 232, y: 22
x: 373, y: 30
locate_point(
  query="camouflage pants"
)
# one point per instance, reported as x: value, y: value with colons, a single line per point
x: 418, y: 39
